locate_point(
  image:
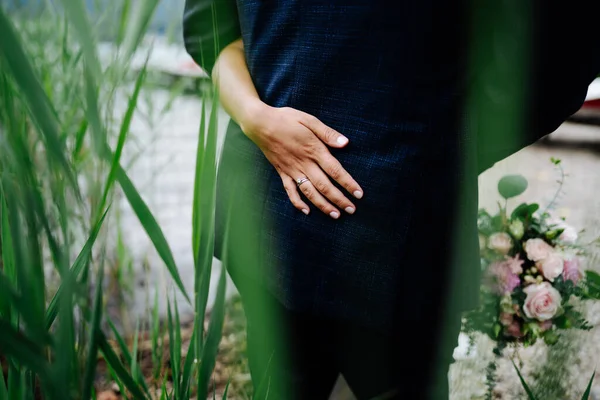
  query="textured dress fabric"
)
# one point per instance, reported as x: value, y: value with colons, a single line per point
x: 389, y: 76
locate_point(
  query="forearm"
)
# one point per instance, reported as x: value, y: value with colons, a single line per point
x: 237, y: 93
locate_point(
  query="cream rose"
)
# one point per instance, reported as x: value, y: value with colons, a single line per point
x: 537, y: 249
x: 569, y: 234
x: 542, y: 301
x: 500, y: 242
x: 551, y: 266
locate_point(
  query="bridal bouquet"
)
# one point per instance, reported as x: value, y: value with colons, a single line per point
x: 532, y: 268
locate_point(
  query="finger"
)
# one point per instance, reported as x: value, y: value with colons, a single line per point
x: 313, y: 195
x: 336, y: 171
x: 322, y: 183
x: 292, y: 191
x: 328, y: 135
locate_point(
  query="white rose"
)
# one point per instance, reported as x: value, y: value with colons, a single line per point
x: 500, y: 242
x: 569, y: 235
x: 537, y: 249
x: 542, y: 301
x: 551, y: 266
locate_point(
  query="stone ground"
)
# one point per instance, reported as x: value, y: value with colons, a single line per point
x: 162, y: 149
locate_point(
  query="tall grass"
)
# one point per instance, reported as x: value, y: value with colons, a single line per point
x: 60, y: 163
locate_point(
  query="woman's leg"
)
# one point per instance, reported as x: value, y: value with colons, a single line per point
x: 289, y: 352
x: 406, y: 366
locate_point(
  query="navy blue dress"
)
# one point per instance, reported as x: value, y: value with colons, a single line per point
x: 389, y: 76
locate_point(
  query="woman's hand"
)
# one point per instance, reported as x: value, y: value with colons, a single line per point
x: 295, y: 143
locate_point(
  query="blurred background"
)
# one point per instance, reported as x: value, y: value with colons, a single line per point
x: 140, y: 294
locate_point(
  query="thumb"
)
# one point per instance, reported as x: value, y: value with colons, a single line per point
x: 328, y: 135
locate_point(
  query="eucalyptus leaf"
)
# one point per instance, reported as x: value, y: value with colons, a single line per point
x: 512, y: 185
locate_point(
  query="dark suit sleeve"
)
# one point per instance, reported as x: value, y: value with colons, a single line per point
x: 208, y: 27
x: 563, y: 59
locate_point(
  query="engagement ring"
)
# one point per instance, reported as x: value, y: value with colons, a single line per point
x: 300, y: 181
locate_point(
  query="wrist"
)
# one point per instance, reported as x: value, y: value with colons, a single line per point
x: 252, y: 115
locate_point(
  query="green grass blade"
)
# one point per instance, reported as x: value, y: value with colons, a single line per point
x: 39, y: 106
x: 120, y: 371
x: 156, y: 334
x: 196, y: 209
x: 121, y: 342
x: 90, y: 368
x: 226, y: 389
x: 151, y: 227
x: 128, y: 358
x: 588, y: 390
x: 188, y: 368
x: 14, y: 383
x: 80, y: 139
x: 163, y: 394
x: 177, y: 377
x: 78, y: 16
x: 175, y: 356
x: 134, y: 351
x: 3, y: 389
x: 81, y: 263
x: 65, y: 365
x: 213, y: 337
x: 17, y: 346
x: 8, y: 257
x: 530, y: 394
x: 19, y: 307
x: 123, y: 22
x: 137, y: 26
x: 124, y: 130
x: 92, y: 112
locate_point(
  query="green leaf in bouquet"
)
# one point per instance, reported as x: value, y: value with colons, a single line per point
x: 497, y: 330
x: 588, y: 390
x: 497, y: 223
x: 551, y: 337
x: 512, y: 185
x: 484, y: 222
x: 554, y: 233
x: 516, y: 229
x: 528, y: 390
x: 525, y: 212
x: 592, y: 277
x: 562, y: 322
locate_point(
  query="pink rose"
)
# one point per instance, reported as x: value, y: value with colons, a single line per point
x: 542, y: 301
x: 514, y: 330
x: 500, y: 242
x: 515, y: 264
x: 504, y: 280
x: 537, y: 249
x: 551, y: 266
x: 572, y: 272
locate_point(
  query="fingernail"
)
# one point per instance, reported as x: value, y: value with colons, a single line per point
x: 342, y: 140
x: 305, y: 211
x: 358, y: 194
x: 334, y: 214
x: 350, y: 210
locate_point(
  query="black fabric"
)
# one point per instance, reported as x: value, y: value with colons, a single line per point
x: 304, y: 355
x: 562, y: 57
